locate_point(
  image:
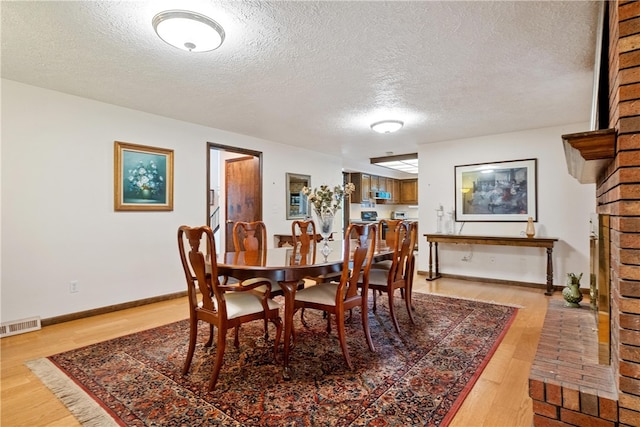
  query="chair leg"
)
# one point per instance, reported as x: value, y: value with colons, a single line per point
x: 392, y: 311
x: 304, y: 322
x: 222, y: 335
x: 409, y: 304
x: 342, y: 338
x: 365, y: 324
x: 328, y: 322
x: 236, y: 340
x: 209, y: 342
x: 278, y: 322
x: 374, y: 301
x: 193, y: 336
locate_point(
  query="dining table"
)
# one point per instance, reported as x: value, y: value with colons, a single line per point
x: 287, y: 267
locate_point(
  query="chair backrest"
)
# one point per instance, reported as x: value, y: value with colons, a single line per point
x: 413, y: 230
x: 194, y: 264
x: 303, y: 236
x: 251, y: 238
x: 358, y: 256
x: 388, y: 226
x: 414, y: 233
x: 401, y: 265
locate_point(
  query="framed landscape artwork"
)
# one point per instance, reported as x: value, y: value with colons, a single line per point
x: 499, y: 191
x: 143, y: 178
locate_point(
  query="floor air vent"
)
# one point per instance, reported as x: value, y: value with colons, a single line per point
x: 19, y: 326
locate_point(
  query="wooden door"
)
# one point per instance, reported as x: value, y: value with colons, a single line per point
x: 243, y: 194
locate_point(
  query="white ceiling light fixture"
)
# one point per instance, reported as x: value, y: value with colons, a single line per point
x: 387, y: 126
x: 404, y: 162
x: 188, y: 31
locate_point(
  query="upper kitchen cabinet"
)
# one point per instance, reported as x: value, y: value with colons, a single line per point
x: 393, y: 186
x: 409, y: 192
x: 375, y: 183
x: 362, y: 182
x: 383, y: 190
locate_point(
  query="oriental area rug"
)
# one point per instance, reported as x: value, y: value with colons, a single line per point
x: 419, y: 377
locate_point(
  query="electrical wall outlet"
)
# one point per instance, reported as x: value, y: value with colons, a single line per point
x: 73, y: 287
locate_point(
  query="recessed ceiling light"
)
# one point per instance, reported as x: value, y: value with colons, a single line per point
x: 404, y: 162
x: 189, y: 31
x: 387, y: 126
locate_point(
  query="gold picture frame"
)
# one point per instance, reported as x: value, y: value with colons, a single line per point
x: 143, y: 178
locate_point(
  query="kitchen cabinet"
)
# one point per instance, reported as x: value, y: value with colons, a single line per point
x: 366, y: 187
x: 362, y: 182
x: 409, y: 191
x: 403, y: 191
x: 375, y: 184
x: 393, y: 186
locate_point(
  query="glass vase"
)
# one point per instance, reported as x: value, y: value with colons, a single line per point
x: 325, y: 228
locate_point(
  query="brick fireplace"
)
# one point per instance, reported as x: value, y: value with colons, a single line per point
x: 568, y: 384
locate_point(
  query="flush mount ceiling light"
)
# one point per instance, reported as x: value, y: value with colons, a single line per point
x: 387, y: 126
x: 405, y: 162
x: 189, y: 31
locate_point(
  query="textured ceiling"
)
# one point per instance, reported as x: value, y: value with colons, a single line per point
x: 317, y: 73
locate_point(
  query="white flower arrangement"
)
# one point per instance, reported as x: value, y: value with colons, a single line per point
x: 145, y: 178
x: 326, y: 200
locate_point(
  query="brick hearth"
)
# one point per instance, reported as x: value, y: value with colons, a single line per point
x: 566, y: 383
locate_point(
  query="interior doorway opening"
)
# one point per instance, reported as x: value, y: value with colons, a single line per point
x: 234, y: 190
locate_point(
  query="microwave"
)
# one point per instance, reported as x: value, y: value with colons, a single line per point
x: 398, y: 215
x: 381, y: 195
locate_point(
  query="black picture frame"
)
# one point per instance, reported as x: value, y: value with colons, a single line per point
x: 504, y: 191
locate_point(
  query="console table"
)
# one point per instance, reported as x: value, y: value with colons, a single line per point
x: 287, y: 239
x: 537, y: 242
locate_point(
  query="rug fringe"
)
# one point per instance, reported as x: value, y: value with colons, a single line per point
x: 475, y: 300
x: 86, y: 410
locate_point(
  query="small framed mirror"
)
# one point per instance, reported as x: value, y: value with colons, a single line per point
x: 297, y: 203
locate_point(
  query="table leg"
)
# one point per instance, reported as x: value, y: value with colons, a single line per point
x: 433, y: 248
x: 289, y: 291
x: 549, y: 272
x: 430, y: 277
x: 437, y: 262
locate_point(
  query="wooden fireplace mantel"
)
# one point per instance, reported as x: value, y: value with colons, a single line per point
x: 537, y: 242
x: 588, y: 153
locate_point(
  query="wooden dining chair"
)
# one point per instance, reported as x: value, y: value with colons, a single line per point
x: 303, y: 237
x: 338, y: 298
x: 224, y: 306
x: 250, y: 238
x: 400, y: 273
x: 387, y: 227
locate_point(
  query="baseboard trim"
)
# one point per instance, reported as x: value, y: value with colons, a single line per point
x: 111, y: 308
x: 497, y: 281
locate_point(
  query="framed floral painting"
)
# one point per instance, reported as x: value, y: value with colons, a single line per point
x: 143, y: 178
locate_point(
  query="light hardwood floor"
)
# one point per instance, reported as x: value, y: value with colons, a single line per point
x: 499, y: 398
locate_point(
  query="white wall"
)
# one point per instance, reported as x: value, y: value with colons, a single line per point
x: 58, y: 222
x: 564, y: 207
